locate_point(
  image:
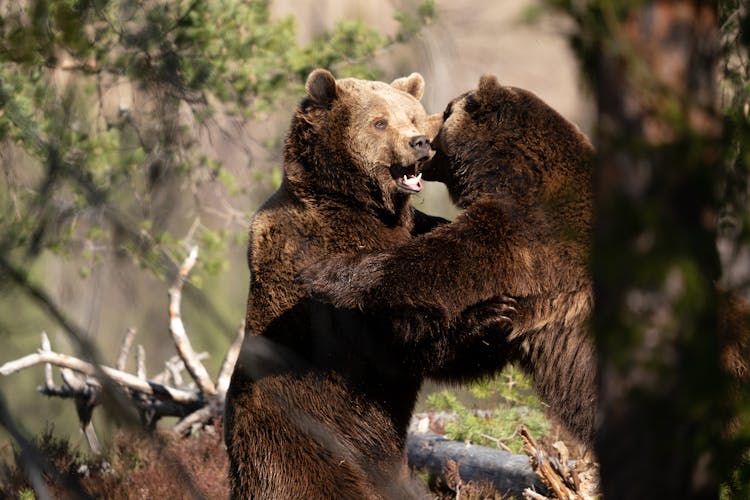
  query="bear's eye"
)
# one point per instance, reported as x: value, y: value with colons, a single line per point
x: 380, y: 124
x: 471, y: 104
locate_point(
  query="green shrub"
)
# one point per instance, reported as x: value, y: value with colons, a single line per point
x: 511, y: 402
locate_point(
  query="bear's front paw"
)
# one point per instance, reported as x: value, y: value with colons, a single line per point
x: 491, y: 316
x: 329, y: 280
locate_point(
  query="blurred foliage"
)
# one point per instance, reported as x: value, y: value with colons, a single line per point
x: 106, y: 107
x: 511, y: 402
x: 734, y: 219
x: 655, y: 252
x: 84, y: 176
x: 735, y: 100
x: 77, y: 174
x: 411, y: 22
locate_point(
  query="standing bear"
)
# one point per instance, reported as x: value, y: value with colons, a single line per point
x: 522, y: 173
x: 320, y: 399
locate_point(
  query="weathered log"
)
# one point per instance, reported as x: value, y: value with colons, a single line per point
x: 508, y: 472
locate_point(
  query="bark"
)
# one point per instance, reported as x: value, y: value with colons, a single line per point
x: 655, y: 261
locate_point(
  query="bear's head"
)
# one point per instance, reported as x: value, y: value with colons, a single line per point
x: 360, y: 140
x: 506, y: 142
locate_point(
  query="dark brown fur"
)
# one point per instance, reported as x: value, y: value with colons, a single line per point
x: 523, y: 174
x: 734, y: 335
x: 320, y: 399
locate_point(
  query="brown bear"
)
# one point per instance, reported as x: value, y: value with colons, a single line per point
x: 320, y: 399
x: 522, y: 173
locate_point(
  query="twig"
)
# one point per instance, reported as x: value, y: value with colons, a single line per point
x: 197, y: 417
x: 46, y: 347
x: 577, y: 482
x: 174, y: 371
x: 85, y: 402
x: 194, y: 367
x: 497, y: 441
x: 227, y: 365
x: 122, y: 378
x: 140, y: 362
x: 564, y: 470
x: 122, y: 356
x: 175, y: 362
x: 529, y: 494
x: 542, y: 466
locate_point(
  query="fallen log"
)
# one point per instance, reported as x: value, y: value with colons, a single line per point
x: 509, y: 473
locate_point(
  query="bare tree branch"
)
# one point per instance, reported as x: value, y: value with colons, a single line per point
x: 577, y: 482
x: 174, y: 365
x: 194, y: 367
x: 140, y: 362
x: 227, y: 365
x: 120, y: 377
x: 46, y: 347
x: 86, y: 393
x: 197, y: 417
x: 163, y: 395
x: 122, y: 356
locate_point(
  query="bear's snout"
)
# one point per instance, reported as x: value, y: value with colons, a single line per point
x: 420, y: 144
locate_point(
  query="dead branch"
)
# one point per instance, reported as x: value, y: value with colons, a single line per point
x: 172, y: 366
x: 85, y: 402
x: 122, y: 356
x: 122, y: 378
x: 165, y: 394
x: 194, y: 367
x: 47, y: 347
x: 140, y: 362
x: 576, y: 482
x: 175, y: 373
x: 198, y: 417
x: 227, y: 365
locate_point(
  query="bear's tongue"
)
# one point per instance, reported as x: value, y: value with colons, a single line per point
x: 410, y: 183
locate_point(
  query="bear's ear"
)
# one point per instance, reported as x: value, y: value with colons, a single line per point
x: 488, y: 86
x: 412, y: 84
x: 321, y: 87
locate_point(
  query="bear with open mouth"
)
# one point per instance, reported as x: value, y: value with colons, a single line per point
x: 320, y: 398
x: 522, y: 172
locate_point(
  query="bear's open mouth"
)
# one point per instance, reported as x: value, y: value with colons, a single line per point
x: 406, y: 180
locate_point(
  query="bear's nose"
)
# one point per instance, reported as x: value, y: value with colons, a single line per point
x: 420, y: 143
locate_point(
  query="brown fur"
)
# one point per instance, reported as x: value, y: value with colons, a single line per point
x: 734, y: 335
x: 320, y: 399
x: 523, y: 174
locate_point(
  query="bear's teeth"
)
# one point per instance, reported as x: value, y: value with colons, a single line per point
x: 419, y: 177
x: 405, y: 178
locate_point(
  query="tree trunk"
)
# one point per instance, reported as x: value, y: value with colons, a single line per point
x: 663, y: 399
